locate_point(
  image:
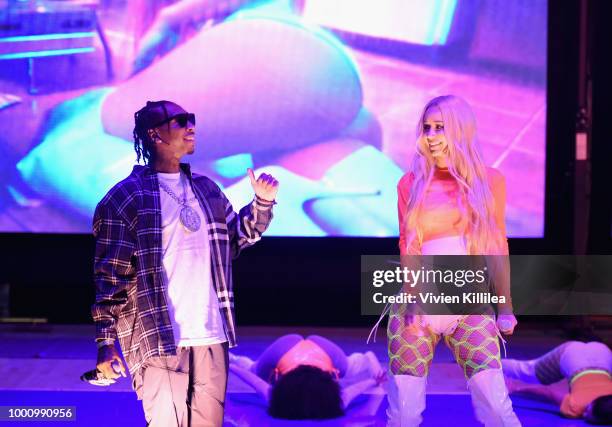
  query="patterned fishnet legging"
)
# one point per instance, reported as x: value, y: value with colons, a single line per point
x: 474, y: 344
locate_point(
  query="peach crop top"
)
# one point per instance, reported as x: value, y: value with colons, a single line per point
x: 583, y: 391
x: 441, y: 215
x: 305, y: 352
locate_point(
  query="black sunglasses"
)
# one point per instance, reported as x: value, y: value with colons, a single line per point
x: 181, y: 119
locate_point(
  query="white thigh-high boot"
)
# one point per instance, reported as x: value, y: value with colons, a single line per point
x: 492, y: 404
x: 406, y: 397
x: 523, y: 370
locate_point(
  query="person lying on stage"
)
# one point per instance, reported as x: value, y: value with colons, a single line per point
x: 308, y: 378
x: 584, y: 367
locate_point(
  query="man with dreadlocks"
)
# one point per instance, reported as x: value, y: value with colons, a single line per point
x: 165, y: 239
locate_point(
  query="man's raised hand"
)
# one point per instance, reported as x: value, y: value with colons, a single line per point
x: 265, y: 187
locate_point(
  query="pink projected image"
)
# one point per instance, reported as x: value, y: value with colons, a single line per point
x: 324, y: 95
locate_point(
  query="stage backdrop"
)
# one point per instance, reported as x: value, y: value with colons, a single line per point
x: 323, y: 94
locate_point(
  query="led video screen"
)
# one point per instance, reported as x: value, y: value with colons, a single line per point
x: 323, y: 94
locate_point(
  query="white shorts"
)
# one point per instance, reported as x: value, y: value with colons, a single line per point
x: 452, y: 245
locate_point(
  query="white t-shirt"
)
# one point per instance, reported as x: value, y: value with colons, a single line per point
x: 192, y: 301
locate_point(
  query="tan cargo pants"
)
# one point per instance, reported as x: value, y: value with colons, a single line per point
x: 186, y: 390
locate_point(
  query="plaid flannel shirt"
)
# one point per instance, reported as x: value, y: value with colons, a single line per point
x: 128, y: 271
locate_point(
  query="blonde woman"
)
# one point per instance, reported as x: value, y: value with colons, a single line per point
x: 449, y: 203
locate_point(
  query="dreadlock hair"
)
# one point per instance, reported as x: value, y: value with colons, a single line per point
x: 143, y: 143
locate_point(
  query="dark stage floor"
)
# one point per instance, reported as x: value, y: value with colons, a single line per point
x: 41, y: 366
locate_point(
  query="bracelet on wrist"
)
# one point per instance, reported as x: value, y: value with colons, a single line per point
x: 264, y: 202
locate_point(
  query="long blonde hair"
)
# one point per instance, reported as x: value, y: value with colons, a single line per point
x: 466, y: 165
